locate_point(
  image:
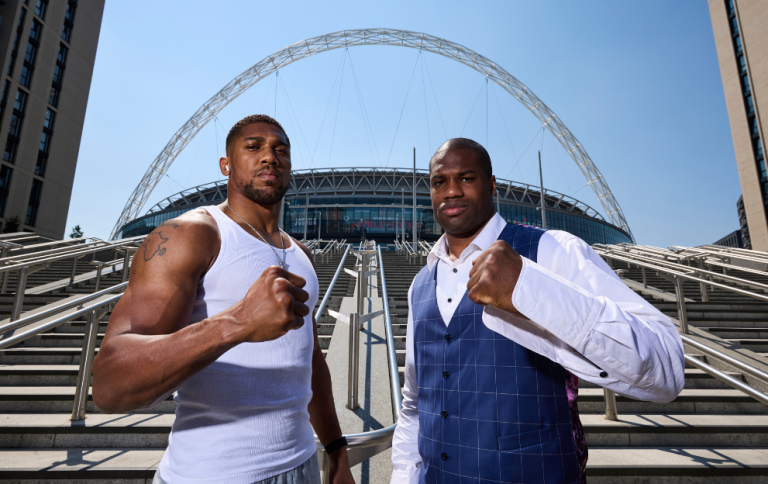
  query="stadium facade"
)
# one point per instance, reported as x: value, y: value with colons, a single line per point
x: 347, y: 203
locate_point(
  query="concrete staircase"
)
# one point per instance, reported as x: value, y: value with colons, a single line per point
x: 709, y: 433
x: 738, y: 319
x: 38, y: 442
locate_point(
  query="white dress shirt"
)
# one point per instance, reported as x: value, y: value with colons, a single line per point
x: 578, y: 313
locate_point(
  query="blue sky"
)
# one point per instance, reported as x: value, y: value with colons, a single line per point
x: 637, y: 83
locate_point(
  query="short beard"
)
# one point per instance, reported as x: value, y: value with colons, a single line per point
x: 268, y: 195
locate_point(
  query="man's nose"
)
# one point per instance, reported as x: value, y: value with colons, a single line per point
x: 269, y: 159
x: 453, y: 191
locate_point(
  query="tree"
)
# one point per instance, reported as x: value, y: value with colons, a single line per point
x: 12, y: 225
x: 76, y: 232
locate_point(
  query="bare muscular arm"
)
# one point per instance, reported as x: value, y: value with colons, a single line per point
x: 149, y: 349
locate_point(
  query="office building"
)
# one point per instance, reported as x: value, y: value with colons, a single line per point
x: 47, y: 53
x: 741, y: 35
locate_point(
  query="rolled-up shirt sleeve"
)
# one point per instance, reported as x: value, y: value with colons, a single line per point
x: 405, y: 443
x: 581, y: 315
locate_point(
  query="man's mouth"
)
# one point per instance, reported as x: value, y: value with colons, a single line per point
x: 453, y: 209
x: 268, y: 175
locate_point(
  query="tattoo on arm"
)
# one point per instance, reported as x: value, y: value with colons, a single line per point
x: 153, y: 245
x: 169, y: 223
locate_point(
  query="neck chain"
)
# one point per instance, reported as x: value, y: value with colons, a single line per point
x: 282, y: 262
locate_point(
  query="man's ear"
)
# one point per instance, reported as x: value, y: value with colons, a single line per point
x: 224, y: 167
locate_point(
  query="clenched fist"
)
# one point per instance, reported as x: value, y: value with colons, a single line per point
x: 273, y: 306
x: 494, y: 275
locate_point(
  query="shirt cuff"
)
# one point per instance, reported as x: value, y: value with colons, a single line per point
x: 556, y: 304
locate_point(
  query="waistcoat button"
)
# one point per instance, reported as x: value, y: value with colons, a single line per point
x: 603, y: 374
x: 447, y: 337
x: 444, y: 414
x: 449, y: 299
x: 444, y: 456
x: 446, y: 374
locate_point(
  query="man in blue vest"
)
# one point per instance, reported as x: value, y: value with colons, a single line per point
x: 503, y: 321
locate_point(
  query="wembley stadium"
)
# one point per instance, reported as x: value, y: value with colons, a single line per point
x: 376, y: 203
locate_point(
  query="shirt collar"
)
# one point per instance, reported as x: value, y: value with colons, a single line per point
x: 482, y: 241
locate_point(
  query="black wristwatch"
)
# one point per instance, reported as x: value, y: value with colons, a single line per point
x: 336, y: 445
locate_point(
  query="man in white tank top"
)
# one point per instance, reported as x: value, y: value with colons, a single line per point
x: 217, y: 309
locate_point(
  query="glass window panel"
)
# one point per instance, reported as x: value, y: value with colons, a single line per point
x: 62, y: 55
x: 25, y: 78
x: 21, y: 101
x: 29, y: 56
x: 40, y: 7
x: 50, y: 116
x: 45, y: 141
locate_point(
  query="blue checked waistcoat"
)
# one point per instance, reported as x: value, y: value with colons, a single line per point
x: 490, y: 411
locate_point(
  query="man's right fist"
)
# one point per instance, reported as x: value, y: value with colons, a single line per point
x: 273, y: 305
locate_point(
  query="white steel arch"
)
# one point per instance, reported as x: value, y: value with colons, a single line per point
x: 350, y: 38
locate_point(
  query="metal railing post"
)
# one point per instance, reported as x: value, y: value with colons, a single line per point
x: 86, y: 364
x: 682, y: 314
x: 127, y: 262
x: 703, y: 286
x: 5, y: 279
x: 363, y: 287
x: 21, y: 286
x: 5, y: 274
x: 645, y: 279
x: 354, y: 360
x: 74, y: 270
x: 611, y: 410
x: 99, y: 267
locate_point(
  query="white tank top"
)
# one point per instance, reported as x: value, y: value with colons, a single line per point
x: 244, y: 418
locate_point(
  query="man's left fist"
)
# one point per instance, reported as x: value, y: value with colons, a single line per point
x: 494, y: 275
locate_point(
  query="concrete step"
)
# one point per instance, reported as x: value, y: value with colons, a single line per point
x: 40, y: 431
x: 40, y: 356
x: 141, y: 430
x: 756, y: 345
x: 57, y: 399
x: 126, y: 466
x: 38, y: 375
x: 738, y: 333
x: 60, y: 340
x: 677, y: 465
x: 727, y: 324
x: 701, y: 402
x: 643, y: 430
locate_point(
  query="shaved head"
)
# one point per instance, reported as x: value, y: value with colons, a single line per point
x: 466, y: 144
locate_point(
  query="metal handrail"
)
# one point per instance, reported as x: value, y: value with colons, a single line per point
x: 682, y: 275
x: 729, y: 380
x: 13, y: 246
x: 66, y: 254
x: 58, y: 250
x: 71, y: 242
x: 362, y: 440
x: 679, y: 276
x: 745, y: 367
x: 51, y: 312
x: 394, y: 373
x: 321, y: 308
x: 699, y: 270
